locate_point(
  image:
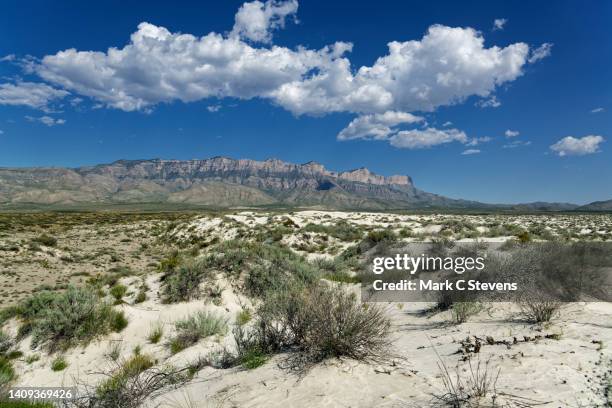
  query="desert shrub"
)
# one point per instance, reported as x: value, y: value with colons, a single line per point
x: 7, y: 374
x: 266, y: 266
x: 156, y: 333
x: 25, y: 404
x: 183, y: 283
x: 461, y: 311
x: 114, y: 350
x: 523, y: 237
x: 61, y: 319
x: 243, y: 317
x: 195, y: 327
x: 111, y: 390
x: 5, y: 342
x: 59, y: 364
x: 118, y: 291
x: 342, y: 230
x: 140, y: 297
x: 130, y: 384
x: 319, y: 322
x: 170, y: 262
x: 253, y: 358
x: 377, y: 236
x: 117, y: 320
x: 539, y: 311
x: 45, y: 240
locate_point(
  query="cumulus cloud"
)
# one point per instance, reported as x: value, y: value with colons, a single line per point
x: 213, y: 108
x: 444, y: 67
x: 32, y: 94
x: 46, y: 120
x: 376, y: 126
x: 470, y: 151
x: 597, y: 110
x: 572, y: 146
x: 425, y: 138
x: 499, y: 23
x: 511, y: 133
x: 8, y: 58
x: 255, y: 20
x: 539, y: 53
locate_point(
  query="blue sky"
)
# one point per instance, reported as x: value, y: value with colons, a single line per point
x: 264, y: 86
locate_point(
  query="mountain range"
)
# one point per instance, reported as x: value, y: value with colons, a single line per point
x: 226, y: 182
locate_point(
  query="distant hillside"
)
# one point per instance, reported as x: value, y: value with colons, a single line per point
x: 597, y: 206
x: 226, y: 182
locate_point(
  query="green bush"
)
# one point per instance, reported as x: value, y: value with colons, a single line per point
x: 60, y: 320
x: 5, y: 342
x: 261, y: 267
x: 7, y: 373
x: 118, y: 291
x: 25, y: 404
x: 156, y: 333
x: 59, y: 364
x: 183, y: 283
x: 243, y: 317
x: 377, y: 236
x: 341, y: 230
x: 117, y: 320
x: 253, y: 358
x: 129, y: 369
x: 195, y: 327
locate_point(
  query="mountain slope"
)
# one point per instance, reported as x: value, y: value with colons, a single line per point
x: 226, y: 182
x: 218, y: 181
x: 597, y: 206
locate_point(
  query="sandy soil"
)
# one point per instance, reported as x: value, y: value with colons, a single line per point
x: 571, y: 368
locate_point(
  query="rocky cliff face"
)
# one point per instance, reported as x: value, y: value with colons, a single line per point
x: 219, y: 181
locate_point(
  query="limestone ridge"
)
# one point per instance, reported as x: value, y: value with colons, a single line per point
x: 217, y: 182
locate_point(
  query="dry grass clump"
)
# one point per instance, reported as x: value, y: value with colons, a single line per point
x: 317, y: 322
x: 539, y: 311
x: 195, y: 327
x: 129, y: 384
x: 475, y: 387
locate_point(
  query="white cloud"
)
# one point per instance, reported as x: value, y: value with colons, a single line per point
x: 475, y: 141
x: 539, y: 53
x: 572, y: 146
x: 516, y: 143
x: 499, y: 23
x: 512, y: 133
x: 598, y: 110
x: 469, y: 152
x: 491, y: 102
x: 8, y: 58
x: 376, y: 126
x: 444, y: 67
x: 447, y: 123
x: 255, y: 20
x: 425, y: 138
x: 32, y: 94
x: 213, y: 108
x: 46, y: 120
